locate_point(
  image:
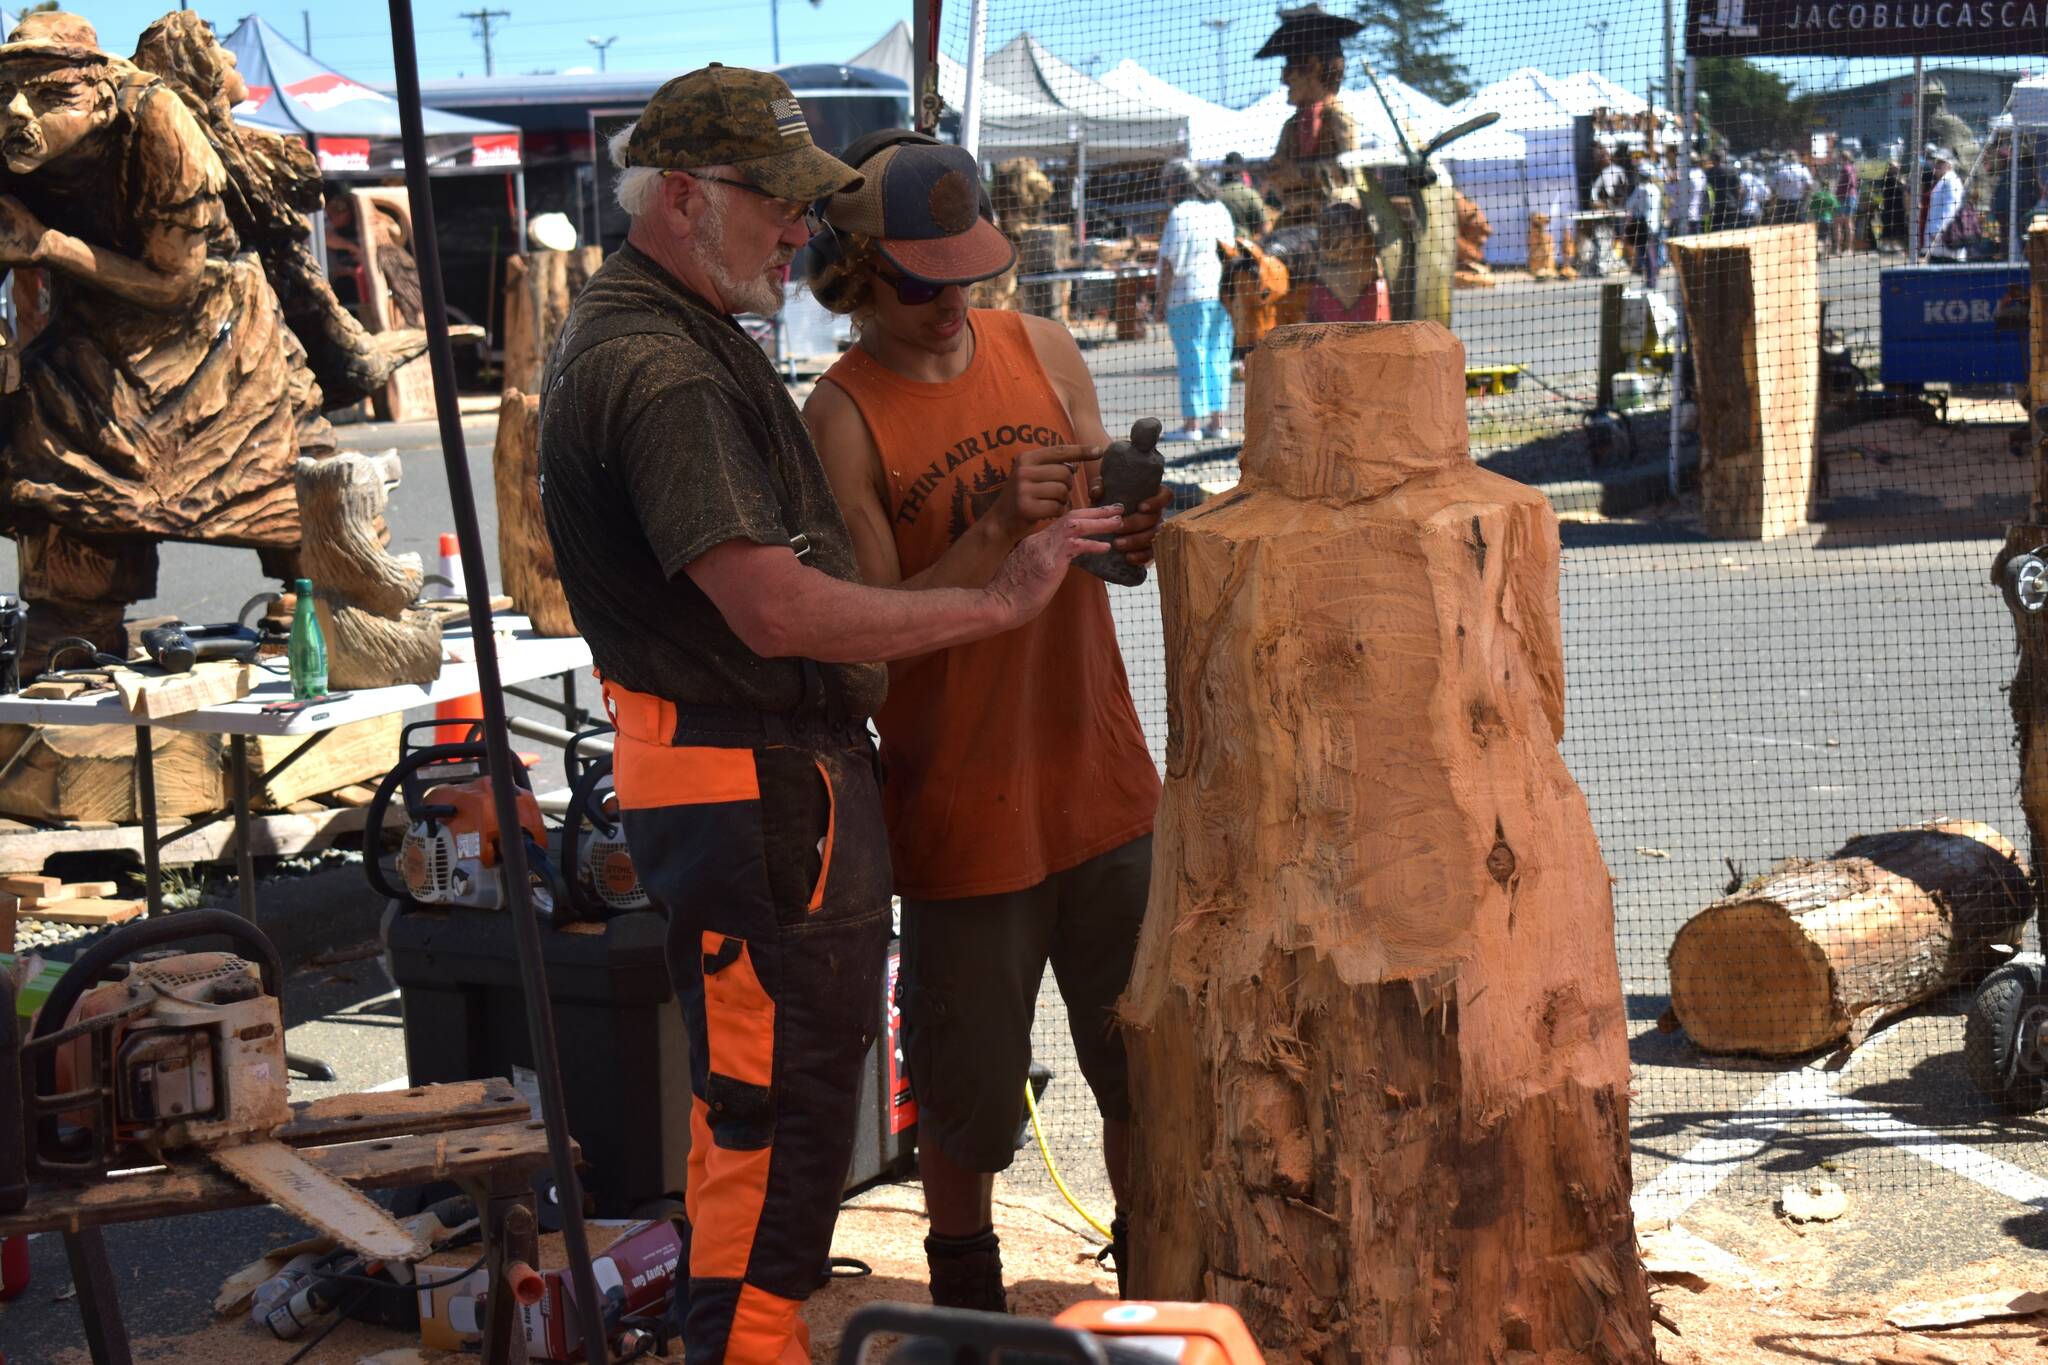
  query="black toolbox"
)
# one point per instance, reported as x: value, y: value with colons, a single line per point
x: 620, y: 1037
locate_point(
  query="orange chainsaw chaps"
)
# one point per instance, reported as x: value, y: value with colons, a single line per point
x: 1209, y: 1333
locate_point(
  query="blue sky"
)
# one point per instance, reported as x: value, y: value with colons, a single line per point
x: 1166, y: 35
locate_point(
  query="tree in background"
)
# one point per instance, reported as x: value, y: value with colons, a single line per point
x: 1405, y: 38
x: 1750, y: 107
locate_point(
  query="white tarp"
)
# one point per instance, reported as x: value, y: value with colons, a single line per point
x: 2029, y: 103
x: 1114, y: 125
x: 1589, y: 90
x: 1210, y: 125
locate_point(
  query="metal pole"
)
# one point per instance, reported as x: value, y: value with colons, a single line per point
x: 540, y: 1020
x: 306, y: 19
x: 1080, y: 168
x: 1686, y: 111
x: 775, y: 32
x: 970, y: 99
x: 1670, y: 72
x: 1913, y: 179
x: 2012, y: 207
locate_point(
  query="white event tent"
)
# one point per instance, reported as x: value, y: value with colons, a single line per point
x: 1541, y: 109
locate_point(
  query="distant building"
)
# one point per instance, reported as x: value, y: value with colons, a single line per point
x: 1882, y: 111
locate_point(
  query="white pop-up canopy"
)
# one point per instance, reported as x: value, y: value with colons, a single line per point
x: 1113, y: 125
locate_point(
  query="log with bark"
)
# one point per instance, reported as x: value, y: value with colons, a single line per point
x: 363, y: 594
x: 1818, y: 952
x: 1378, y: 1050
x: 525, y: 553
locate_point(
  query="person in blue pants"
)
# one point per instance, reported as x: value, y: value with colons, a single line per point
x: 1191, y: 290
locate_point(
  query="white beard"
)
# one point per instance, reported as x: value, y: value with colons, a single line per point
x: 760, y: 294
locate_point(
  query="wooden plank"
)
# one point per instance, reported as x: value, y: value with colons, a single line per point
x: 207, y: 684
x: 82, y: 891
x: 270, y: 836
x: 193, y: 1185
x: 361, y: 751
x: 90, y: 911
x: 353, y: 795
x: 31, y: 887
x: 387, y: 1113
x: 8, y: 913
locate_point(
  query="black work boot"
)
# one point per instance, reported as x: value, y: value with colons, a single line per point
x: 967, y: 1272
x: 1119, y: 1251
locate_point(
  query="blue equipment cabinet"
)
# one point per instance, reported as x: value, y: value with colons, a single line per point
x: 1953, y: 324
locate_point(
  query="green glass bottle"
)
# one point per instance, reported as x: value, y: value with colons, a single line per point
x: 308, y: 651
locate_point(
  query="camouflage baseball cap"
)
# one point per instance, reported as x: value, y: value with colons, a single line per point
x: 731, y: 116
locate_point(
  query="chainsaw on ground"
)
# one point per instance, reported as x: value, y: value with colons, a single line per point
x: 452, y: 848
x: 1093, y: 1332
x: 591, y: 849
x: 138, y: 1057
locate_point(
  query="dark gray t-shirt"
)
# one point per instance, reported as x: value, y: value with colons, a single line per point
x: 654, y: 449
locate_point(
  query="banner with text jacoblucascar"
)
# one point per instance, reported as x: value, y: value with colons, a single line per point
x: 1868, y: 28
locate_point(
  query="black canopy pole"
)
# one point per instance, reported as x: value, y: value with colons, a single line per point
x: 540, y: 1020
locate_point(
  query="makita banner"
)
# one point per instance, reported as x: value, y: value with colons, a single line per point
x: 1869, y: 28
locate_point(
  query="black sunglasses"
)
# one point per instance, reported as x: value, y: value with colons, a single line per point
x: 912, y: 293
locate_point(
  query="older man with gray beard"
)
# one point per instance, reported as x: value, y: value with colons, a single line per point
x: 704, y: 558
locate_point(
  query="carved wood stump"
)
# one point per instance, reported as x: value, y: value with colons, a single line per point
x: 363, y: 594
x: 525, y: 554
x: 1379, y: 1058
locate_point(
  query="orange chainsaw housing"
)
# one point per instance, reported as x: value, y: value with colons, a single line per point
x: 1209, y: 1333
x: 476, y: 813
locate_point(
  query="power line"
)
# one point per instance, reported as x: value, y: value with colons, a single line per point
x: 481, y: 18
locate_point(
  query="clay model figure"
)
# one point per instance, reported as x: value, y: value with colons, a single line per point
x: 164, y: 399
x: 273, y: 183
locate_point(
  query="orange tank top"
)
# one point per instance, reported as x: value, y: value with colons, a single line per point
x: 1018, y: 756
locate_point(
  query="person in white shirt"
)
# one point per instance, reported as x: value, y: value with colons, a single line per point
x: 1754, y: 192
x: 1791, y: 182
x: 1190, y: 291
x: 1696, y: 199
x: 1943, y: 204
x: 1645, y: 229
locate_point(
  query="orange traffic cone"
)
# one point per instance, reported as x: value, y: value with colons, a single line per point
x: 458, y: 711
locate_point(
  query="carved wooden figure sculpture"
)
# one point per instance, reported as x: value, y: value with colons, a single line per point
x: 164, y: 400
x: 363, y: 594
x: 273, y: 183
x: 1378, y: 1052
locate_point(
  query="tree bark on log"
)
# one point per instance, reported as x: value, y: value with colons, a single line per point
x: 1378, y: 1050
x: 525, y: 554
x: 1817, y: 952
x: 1752, y: 311
x: 363, y: 595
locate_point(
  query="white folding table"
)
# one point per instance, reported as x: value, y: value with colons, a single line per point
x: 522, y: 657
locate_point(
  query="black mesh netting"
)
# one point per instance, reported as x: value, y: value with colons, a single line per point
x: 1817, y: 651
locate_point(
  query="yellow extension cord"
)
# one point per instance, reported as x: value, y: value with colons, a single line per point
x: 1051, y: 1169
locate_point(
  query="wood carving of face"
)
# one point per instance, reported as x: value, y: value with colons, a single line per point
x: 45, y: 113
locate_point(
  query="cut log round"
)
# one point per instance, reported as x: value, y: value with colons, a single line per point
x: 1378, y: 1051
x: 1818, y: 952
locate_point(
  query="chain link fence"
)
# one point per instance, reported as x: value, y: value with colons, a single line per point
x: 1811, y: 650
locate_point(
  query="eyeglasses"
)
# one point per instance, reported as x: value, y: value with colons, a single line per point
x: 912, y: 293
x: 788, y: 212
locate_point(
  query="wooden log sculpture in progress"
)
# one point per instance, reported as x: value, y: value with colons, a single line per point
x: 1378, y: 1052
x: 1752, y: 309
x: 164, y: 399
x: 524, y: 550
x: 539, y: 287
x: 1818, y: 952
x: 363, y: 594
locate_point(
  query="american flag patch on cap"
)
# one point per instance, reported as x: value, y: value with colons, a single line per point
x: 789, y: 118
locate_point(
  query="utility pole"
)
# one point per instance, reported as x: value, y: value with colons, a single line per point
x: 1599, y: 27
x: 601, y: 44
x: 1222, y: 73
x: 775, y: 30
x: 480, y: 22
x: 306, y: 19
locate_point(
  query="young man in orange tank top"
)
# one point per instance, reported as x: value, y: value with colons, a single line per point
x: 1019, y: 792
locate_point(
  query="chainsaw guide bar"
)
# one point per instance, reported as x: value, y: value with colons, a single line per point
x: 285, y: 1178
